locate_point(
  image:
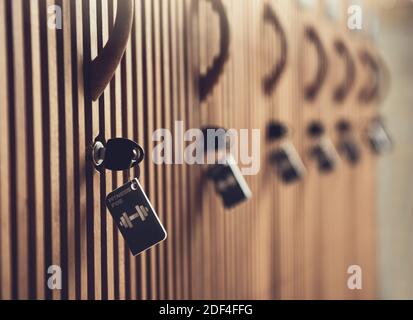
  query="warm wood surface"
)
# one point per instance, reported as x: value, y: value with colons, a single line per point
x: 287, y: 242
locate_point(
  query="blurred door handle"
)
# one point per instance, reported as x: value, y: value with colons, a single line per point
x: 342, y: 90
x: 271, y: 80
x: 104, y: 65
x: 370, y: 91
x: 312, y: 90
x: 208, y: 80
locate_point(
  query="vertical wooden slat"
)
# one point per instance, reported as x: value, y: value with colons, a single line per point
x: 158, y: 115
x: 167, y: 124
x: 186, y: 172
x: 183, y: 168
x: 141, y: 77
x: 5, y: 245
x: 124, y: 118
x: 82, y: 271
x: 95, y: 202
x: 217, y: 218
x: 176, y: 233
x: 249, y: 65
x: 130, y: 135
x: 87, y: 219
x: 18, y: 124
x: 110, y: 227
x: 63, y: 78
x: 307, y: 64
x: 54, y: 149
x: 328, y: 194
x: 67, y: 159
x: 195, y: 172
x: 149, y: 127
x: 206, y: 21
x: 106, y: 222
x: 118, y: 108
x: 30, y: 165
x: 114, y: 176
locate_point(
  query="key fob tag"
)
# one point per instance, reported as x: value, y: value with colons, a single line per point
x: 350, y: 150
x: 326, y: 155
x: 135, y: 217
x: 230, y: 184
x: 289, y: 165
x: 379, y: 138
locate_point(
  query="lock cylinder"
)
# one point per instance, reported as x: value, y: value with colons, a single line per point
x: 116, y: 154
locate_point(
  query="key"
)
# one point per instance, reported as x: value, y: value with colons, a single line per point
x: 117, y: 154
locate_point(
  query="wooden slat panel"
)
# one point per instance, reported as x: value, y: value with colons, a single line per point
x: 286, y: 242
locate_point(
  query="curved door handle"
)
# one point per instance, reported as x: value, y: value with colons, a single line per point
x: 312, y: 90
x: 208, y: 80
x: 370, y: 91
x: 271, y: 80
x: 342, y: 90
x: 104, y: 65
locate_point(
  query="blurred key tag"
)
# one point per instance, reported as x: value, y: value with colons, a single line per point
x: 326, y: 155
x: 290, y: 167
x: 379, y: 137
x: 229, y: 182
x: 135, y: 217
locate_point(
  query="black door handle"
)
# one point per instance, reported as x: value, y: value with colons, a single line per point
x: 271, y: 80
x: 208, y: 80
x: 343, y: 89
x: 370, y: 91
x: 104, y: 65
x: 312, y: 90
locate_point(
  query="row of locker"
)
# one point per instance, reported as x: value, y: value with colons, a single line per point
x: 121, y: 154
x: 207, y: 63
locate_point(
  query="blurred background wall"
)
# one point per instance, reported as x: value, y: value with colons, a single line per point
x: 395, y: 175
